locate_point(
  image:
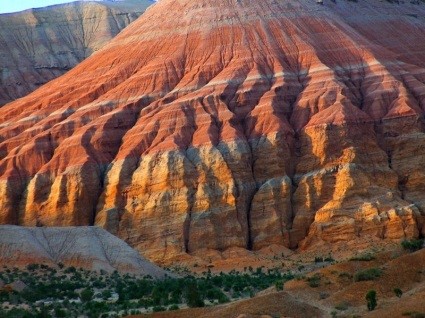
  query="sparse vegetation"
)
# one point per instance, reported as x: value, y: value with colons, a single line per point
x: 342, y: 306
x: 74, y: 292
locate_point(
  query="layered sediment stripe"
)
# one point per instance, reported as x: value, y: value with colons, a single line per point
x: 269, y: 123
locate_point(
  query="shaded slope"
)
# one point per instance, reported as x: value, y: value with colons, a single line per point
x: 39, y: 45
x: 217, y: 124
x: 270, y: 305
x: 88, y: 247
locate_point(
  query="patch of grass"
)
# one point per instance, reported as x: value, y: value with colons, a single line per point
x: 367, y: 274
x: 367, y: 257
x: 314, y: 281
x: 342, y: 306
x: 345, y: 275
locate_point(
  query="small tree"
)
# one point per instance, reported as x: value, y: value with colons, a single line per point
x: 59, y: 312
x: 193, y: 296
x: 371, y: 300
x: 86, y: 295
x: 279, y: 285
x: 32, y: 267
x: 398, y: 292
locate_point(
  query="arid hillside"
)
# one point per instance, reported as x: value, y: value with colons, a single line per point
x: 337, y: 290
x: 213, y: 125
x: 91, y: 248
x: 39, y: 45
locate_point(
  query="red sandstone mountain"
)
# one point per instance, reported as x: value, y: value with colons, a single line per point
x: 39, y: 45
x: 231, y: 124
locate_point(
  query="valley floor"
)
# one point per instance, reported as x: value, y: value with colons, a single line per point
x: 337, y: 289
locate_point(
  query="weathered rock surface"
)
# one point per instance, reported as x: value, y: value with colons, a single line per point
x: 88, y: 247
x: 39, y: 45
x: 209, y: 125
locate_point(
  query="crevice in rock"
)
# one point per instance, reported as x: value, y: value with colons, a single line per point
x: 250, y: 198
x: 354, y: 82
x: 188, y: 220
x: 191, y: 184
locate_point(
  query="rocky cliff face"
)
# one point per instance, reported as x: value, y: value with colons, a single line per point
x: 215, y: 124
x: 88, y: 247
x: 39, y: 45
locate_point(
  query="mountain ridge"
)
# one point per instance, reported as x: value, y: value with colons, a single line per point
x: 233, y: 124
x: 38, y: 45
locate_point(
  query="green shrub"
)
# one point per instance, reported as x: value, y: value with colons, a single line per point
x: 158, y: 308
x: 279, y: 285
x: 32, y: 267
x: 371, y: 300
x: 314, y: 281
x: 329, y: 259
x: 398, y: 292
x: 367, y: 274
x: 106, y: 294
x: 70, y: 270
x: 412, y: 245
x: 174, y: 307
x: 363, y: 257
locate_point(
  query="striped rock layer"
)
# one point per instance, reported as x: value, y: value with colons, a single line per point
x: 209, y: 125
